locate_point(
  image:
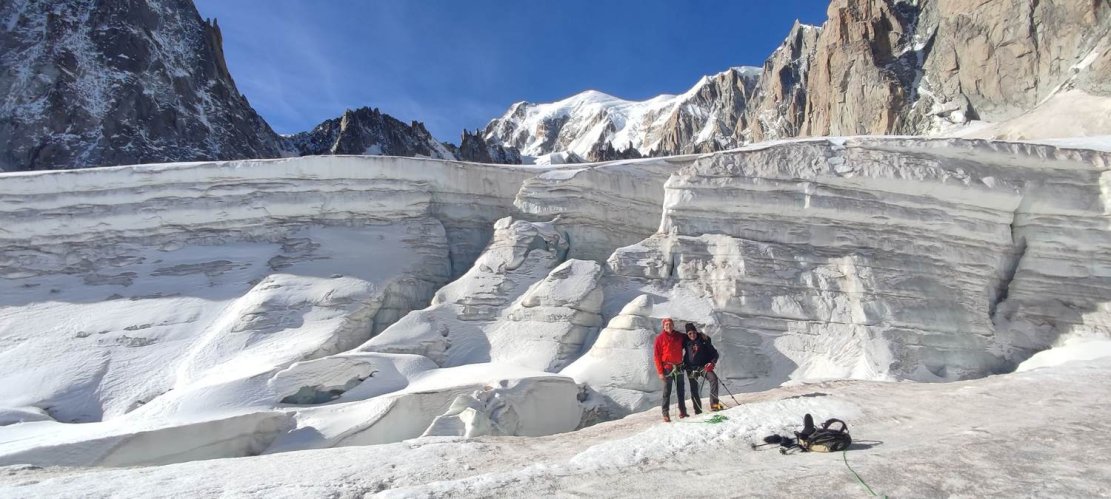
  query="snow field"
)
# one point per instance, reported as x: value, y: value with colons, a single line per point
x: 456, y: 300
x: 1004, y: 435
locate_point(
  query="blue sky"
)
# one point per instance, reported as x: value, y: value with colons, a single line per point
x: 456, y: 64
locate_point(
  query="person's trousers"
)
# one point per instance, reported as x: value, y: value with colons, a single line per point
x: 677, y: 380
x: 696, y: 399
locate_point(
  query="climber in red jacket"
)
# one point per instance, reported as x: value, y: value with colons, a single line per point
x: 668, y: 354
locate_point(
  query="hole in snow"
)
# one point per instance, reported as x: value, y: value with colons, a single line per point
x: 310, y: 395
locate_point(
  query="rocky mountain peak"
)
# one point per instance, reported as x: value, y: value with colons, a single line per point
x: 90, y: 83
x: 367, y: 130
x: 874, y: 67
x: 475, y: 148
x: 370, y: 131
x: 858, y: 70
x: 777, y: 106
x: 106, y: 83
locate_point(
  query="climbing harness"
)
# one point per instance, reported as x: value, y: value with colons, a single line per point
x: 694, y: 376
x: 701, y: 373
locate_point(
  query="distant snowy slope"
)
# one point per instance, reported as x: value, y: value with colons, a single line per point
x: 598, y: 127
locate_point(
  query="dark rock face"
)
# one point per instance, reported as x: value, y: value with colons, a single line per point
x: 878, y: 67
x: 475, y: 148
x: 369, y: 131
x: 605, y: 152
x: 855, y: 84
x: 777, y: 107
x: 997, y: 60
x: 110, y: 82
x: 911, y: 67
x: 717, y: 107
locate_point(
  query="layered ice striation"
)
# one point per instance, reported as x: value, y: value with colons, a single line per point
x: 928, y: 260
x: 194, y: 292
x: 132, y: 281
x: 268, y: 306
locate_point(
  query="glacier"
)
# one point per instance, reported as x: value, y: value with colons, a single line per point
x: 166, y: 313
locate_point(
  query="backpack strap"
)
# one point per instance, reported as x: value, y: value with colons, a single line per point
x: 831, y: 422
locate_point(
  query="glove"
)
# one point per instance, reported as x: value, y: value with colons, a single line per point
x: 709, y: 367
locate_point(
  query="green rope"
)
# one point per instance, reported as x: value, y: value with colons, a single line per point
x: 715, y: 419
x: 844, y: 457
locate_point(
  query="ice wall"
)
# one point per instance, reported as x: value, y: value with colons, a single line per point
x: 897, y: 258
x: 333, y: 290
x: 184, y: 293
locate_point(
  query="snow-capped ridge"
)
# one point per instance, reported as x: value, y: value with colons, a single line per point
x: 922, y: 73
x: 587, y: 123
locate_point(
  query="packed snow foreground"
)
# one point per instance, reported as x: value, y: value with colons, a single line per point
x: 161, y: 314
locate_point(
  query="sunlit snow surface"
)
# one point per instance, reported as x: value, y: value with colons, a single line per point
x: 433, y: 314
x: 1000, y: 437
x: 567, y: 130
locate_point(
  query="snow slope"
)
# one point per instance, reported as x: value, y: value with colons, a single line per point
x: 1068, y: 114
x: 216, y: 300
x: 1004, y: 436
x: 583, y: 122
x: 207, y: 310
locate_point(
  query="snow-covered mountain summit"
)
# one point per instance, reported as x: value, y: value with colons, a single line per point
x: 878, y: 67
x: 597, y: 126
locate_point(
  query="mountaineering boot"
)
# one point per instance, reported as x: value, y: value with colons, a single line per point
x: 697, y: 412
x: 667, y: 419
x: 716, y: 406
x: 683, y: 415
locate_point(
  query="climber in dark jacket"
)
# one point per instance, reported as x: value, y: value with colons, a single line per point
x: 699, y: 359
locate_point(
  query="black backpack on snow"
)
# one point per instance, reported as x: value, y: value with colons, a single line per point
x: 828, y: 438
